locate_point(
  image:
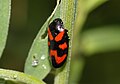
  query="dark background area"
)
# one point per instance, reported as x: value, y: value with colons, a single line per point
x: 28, y: 16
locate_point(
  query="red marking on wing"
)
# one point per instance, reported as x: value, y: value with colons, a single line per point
x: 57, y: 58
x: 63, y: 46
x: 59, y: 36
x: 50, y: 35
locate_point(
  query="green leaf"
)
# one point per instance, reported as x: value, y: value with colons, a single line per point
x: 39, y: 51
x: 5, y: 6
x: 103, y: 39
x: 3, y: 81
x: 39, y: 48
x: 14, y: 77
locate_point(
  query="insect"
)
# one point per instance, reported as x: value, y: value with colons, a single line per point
x: 58, y: 43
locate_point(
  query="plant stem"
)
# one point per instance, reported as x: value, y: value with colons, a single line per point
x: 67, y: 14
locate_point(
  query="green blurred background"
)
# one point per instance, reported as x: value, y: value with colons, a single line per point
x: 28, y: 16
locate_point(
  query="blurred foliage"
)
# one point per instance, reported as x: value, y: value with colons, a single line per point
x: 99, y: 68
x: 102, y: 67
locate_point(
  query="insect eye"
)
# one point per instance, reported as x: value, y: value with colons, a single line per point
x: 60, y: 28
